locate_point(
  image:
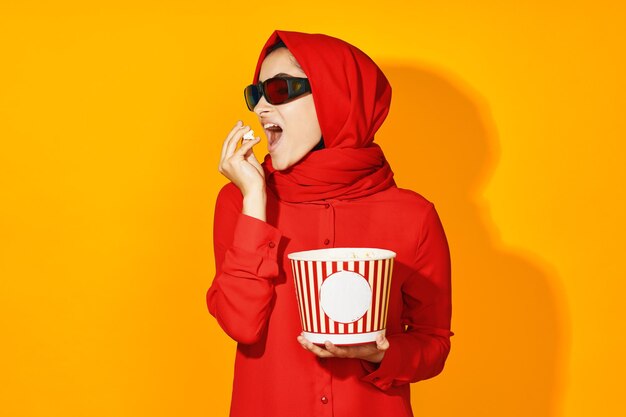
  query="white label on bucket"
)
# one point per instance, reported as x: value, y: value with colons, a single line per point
x: 345, y: 296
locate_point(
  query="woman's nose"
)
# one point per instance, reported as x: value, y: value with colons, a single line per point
x: 262, y: 106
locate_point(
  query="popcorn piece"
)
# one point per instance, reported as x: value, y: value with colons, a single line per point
x: 249, y: 135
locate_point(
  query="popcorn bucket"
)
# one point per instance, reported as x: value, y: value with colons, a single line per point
x: 342, y: 293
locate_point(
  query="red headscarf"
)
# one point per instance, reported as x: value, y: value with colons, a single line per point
x: 352, y: 98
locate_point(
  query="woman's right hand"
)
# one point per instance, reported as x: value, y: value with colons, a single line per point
x: 240, y: 165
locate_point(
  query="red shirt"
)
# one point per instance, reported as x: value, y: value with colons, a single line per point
x: 253, y: 299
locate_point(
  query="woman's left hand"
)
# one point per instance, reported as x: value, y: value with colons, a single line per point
x: 372, y: 352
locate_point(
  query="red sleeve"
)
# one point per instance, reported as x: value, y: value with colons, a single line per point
x: 246, y: 252
x: 421, y: 350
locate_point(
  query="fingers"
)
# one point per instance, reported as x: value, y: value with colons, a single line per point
x: 307, y: 345
x: 251, y: 158
x: 381, y: 342
x: 365, y: 351
x: 247, y: 146
x: 243, y: 153
x: 230, y: 135
x: 234, y: 140
x: 340, y: 352
x: 248, y: 154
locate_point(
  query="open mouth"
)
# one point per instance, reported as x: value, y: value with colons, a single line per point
x: 274, y: 133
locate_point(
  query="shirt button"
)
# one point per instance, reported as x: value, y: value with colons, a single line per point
x: 326, y: 242
x: 327, y: 205
x: 272, y: 244
x: 324, y: 400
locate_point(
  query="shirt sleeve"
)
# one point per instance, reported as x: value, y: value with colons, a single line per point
x: 421, y: 350
x: 246, y: 263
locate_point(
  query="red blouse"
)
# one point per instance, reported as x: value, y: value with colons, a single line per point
x: 253, y: 299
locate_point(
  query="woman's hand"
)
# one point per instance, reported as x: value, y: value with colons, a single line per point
x: 240, y: 165
x: 372, y: 352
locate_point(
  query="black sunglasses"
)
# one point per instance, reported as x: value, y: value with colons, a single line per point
x: 277, y: 90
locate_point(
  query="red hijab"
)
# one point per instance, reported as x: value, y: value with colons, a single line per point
x: 352, y: 98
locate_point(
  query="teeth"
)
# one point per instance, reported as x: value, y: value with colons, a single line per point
x: 266, y: 125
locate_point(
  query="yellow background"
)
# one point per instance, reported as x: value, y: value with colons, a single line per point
x: 509, y: 117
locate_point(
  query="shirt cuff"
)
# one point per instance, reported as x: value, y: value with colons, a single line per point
x: 382, y: 374
x: 256, y: 236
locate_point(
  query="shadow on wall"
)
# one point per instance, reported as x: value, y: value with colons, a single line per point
x: 511, y: 344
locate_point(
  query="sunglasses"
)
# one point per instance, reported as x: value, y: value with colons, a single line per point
x: 277, y: 90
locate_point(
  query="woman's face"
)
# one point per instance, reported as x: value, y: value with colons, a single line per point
x: 297, y: 119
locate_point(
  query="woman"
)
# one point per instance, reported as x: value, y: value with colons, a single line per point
x: 323, y: 183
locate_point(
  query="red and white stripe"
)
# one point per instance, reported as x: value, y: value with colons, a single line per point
x: 308, y: 279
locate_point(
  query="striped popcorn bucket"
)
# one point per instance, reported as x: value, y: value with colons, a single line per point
x: 342, y: 293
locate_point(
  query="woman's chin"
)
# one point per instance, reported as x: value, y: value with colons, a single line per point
x: 282, y: 163
x: 281, y: 167
x: 279, y: 164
